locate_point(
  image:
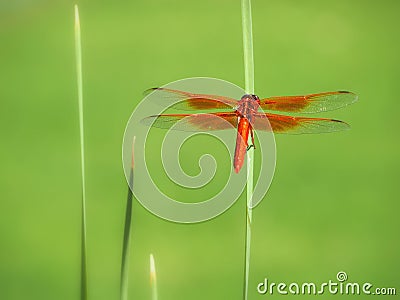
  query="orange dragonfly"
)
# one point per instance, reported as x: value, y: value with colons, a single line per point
x: 246, y: 117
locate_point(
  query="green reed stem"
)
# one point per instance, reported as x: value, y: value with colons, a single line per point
x: 153, y: 279
x: 78, y: 52
x: 127, y: 232
x: 249, y: 89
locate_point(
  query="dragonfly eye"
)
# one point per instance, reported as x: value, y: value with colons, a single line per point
x: 255, y: 97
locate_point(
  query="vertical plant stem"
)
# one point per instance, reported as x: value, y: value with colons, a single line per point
x: 248, y: 46
x: 127, y: 232
x: 78, y: 52
x: 153, y: 279
x: 249, y: 89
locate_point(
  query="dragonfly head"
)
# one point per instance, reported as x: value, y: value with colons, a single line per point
x: 250, y: 96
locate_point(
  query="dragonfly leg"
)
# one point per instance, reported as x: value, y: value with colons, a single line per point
x: 252, y: 140
x: 250, y: 146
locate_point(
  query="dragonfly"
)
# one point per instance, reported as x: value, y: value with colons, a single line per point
x: 246, y: 117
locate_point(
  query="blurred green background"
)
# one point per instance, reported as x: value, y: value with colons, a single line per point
x: 333, y: 205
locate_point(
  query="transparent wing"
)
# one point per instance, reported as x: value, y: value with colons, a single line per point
x: 312, y: 103
x: 193, y: 122
x: 297, y: 125
x: 191, y: 101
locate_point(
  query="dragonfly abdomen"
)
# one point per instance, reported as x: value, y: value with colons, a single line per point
x: 241, y: 144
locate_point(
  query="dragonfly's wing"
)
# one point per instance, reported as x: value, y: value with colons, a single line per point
x: 296, y: 125
x: 312, y: 103
x: 193, y: 122
x: 191, y: 101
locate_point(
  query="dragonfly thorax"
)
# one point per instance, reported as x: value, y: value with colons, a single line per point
x: 248, y: 106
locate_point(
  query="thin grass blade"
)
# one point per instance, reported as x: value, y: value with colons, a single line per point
x: 127, y: 231
x: 249, y: 89
x: 153, y: 279
x: 78, y: 53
